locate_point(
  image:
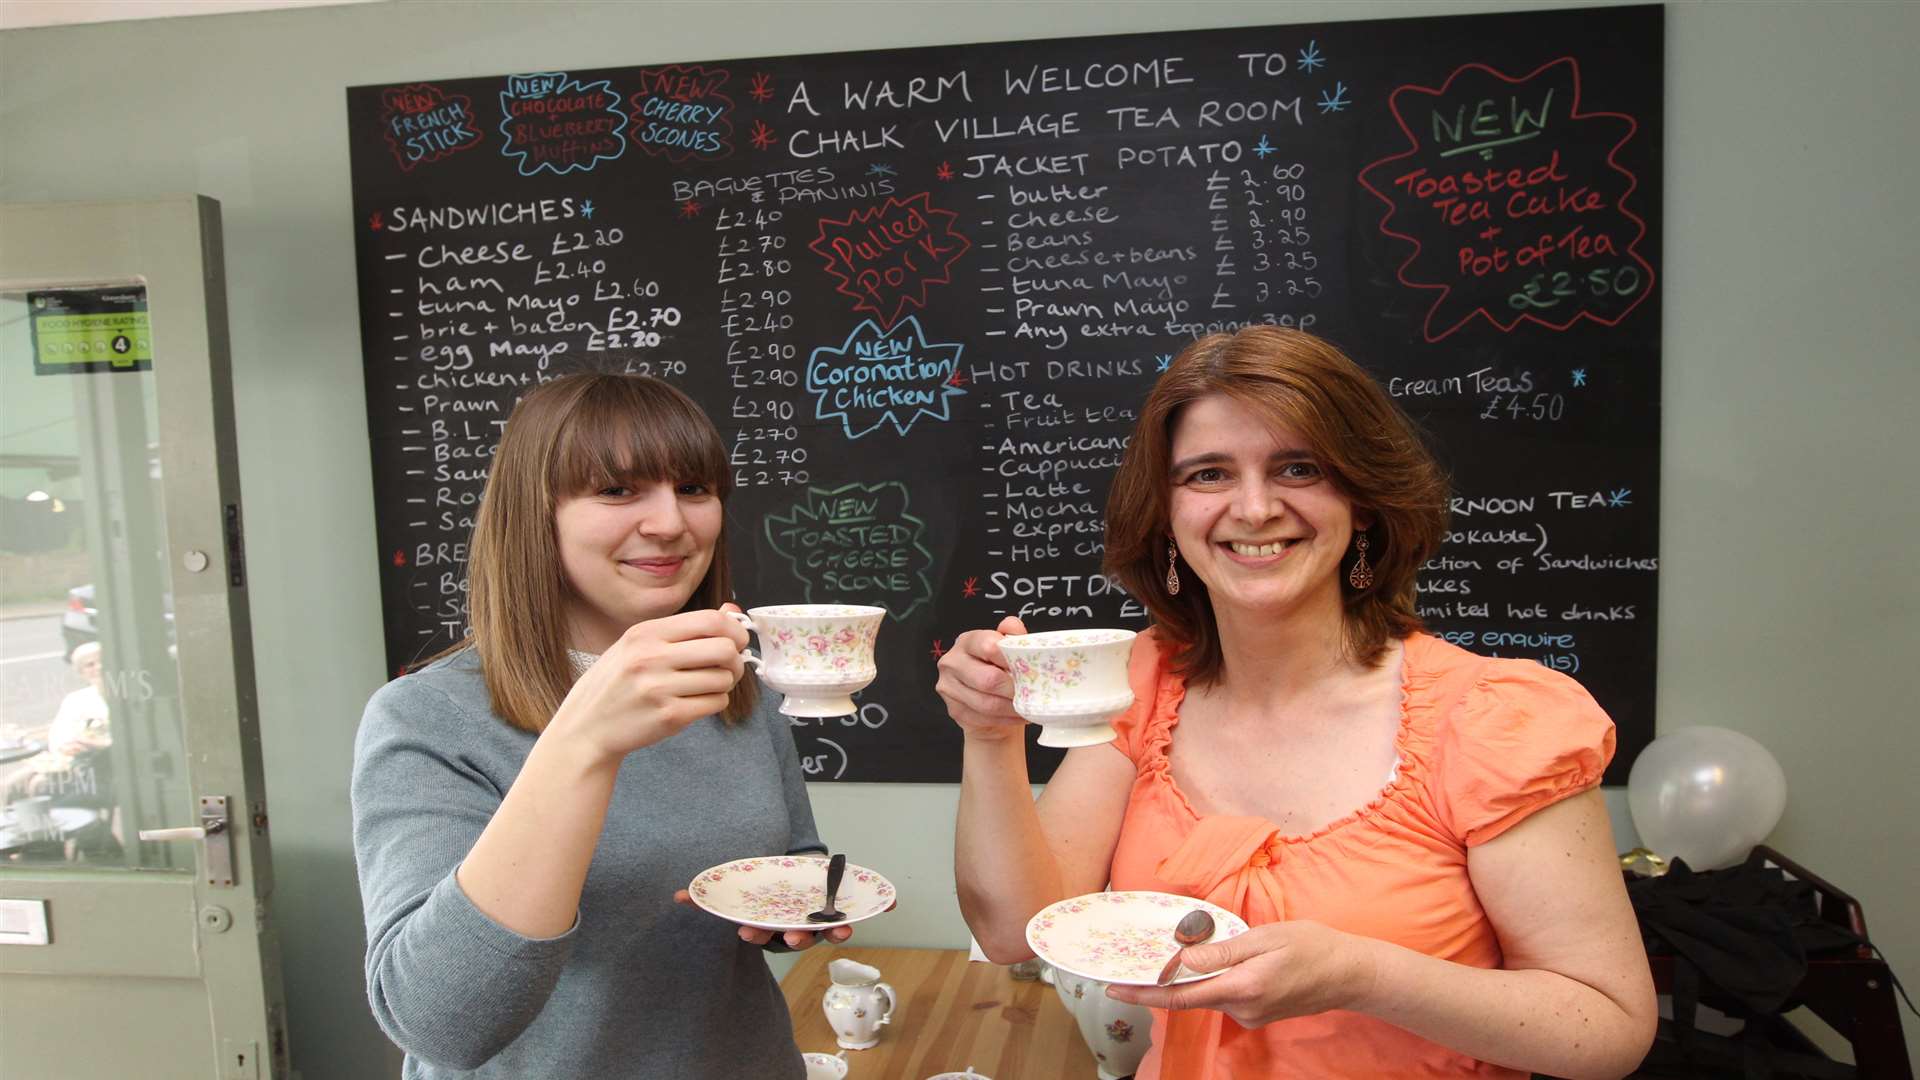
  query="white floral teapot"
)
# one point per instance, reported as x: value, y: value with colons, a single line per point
x: 1117, y: 1033
x: 857, y: 1004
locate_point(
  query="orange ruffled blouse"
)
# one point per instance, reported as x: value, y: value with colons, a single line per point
x: 1483, y: 743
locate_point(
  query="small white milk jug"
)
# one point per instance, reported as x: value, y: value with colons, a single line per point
x: 857, y: 1003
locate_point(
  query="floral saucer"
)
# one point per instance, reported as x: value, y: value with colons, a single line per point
x: 1121, y: 937
x: 777, y: 891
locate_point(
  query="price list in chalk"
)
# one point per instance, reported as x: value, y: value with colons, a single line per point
x: 469, y: 326
x: 923, y: 293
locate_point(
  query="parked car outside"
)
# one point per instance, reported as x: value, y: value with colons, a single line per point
x: 76, y: 623
x: 79, y: 624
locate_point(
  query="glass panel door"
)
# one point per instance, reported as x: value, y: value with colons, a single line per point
x: 91, y: 746
x: 121, y: 529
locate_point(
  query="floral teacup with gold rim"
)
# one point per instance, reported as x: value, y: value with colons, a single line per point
x: 816, y: 655
x: 825, y: 1066
x: 1070, y: 682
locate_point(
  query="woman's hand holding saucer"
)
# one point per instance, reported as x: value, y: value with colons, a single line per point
x: 976, y: 685
x: 794, y: 939
x: 660, y: 676
x: 1271, y: 972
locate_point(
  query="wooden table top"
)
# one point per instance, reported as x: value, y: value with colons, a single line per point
x: 952, y: 1014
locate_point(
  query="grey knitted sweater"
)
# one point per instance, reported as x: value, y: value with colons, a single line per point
x: 641, y: 986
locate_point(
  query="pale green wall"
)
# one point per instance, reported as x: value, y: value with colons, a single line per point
x: 1789, y: 593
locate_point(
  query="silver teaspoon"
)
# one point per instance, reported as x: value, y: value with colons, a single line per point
x: 1194, y: 927
x: 835, y: 866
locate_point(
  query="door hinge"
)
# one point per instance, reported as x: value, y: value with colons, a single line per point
x: 236, y: 549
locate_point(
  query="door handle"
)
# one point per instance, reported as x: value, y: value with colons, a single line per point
x: 189, y: 832
x: 213, y: 830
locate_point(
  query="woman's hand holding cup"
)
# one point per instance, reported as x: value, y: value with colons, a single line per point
x: 660, y: 676
x: 817, y: 655
x: 977, y: 686
x: 1070, y: 682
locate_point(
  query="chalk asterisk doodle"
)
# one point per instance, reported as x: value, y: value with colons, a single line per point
x: 1334, y: 100
x: 1262, y: 148
x: 1310, y: 57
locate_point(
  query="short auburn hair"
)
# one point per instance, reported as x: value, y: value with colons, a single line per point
x: 1367, y: 447
x: 572, y: 435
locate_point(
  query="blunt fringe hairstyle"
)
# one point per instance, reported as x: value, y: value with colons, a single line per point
x: 576, y: 434
x: 1368, y: 448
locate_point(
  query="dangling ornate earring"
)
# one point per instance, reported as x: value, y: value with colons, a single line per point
x: 1173, y: 573
x: 1361, y: 576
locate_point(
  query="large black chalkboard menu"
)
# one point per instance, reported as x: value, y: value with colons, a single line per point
x: 922, y: 292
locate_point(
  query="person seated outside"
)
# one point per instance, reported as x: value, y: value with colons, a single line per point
x: 73, y: 759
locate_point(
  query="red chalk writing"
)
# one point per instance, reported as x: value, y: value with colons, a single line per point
x: 680, y: 113
x: 886, y: 256
x: 423, y: 123
x: 1513, y: 201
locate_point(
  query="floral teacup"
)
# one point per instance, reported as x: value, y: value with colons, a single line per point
x: 825, y: 1066
x: 1070, y: 682
x: 816, y: 655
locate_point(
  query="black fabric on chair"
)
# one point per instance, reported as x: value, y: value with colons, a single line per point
x: 1742, y: 941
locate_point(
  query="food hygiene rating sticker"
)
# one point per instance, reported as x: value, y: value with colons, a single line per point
x: 84, y: 330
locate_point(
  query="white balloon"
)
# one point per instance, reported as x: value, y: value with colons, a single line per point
x: 1706, y: 795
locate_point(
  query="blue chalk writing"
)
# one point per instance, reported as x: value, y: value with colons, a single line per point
x: 875, y: 377
x: 556, y: 123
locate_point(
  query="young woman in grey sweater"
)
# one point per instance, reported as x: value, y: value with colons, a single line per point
x: 527, y: 805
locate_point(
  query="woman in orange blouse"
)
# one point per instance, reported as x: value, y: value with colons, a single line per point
x: 1414, y: 832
